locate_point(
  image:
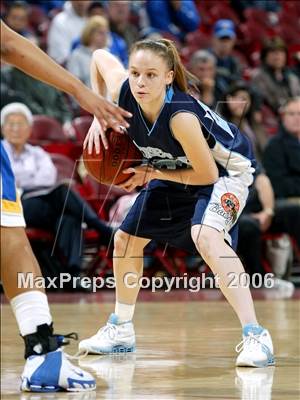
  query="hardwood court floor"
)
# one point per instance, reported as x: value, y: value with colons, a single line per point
x: 185, y: 350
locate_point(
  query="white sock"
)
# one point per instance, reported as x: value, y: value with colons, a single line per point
x: 124, y: 311
x: 31, y: 309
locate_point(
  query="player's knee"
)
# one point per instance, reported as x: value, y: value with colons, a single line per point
x: 205, y: 246
x: 205, y: 241
x: 121, y: 240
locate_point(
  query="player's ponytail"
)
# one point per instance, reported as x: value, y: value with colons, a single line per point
x: 167, y: 50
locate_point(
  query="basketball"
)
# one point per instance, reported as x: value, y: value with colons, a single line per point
x: 107, y: 166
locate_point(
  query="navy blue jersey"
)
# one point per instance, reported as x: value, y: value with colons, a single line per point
x: 231, y: 149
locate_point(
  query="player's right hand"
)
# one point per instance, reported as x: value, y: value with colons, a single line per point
x: 108, y: 114
x: 93, y: 136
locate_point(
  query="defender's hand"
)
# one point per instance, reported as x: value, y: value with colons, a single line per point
x: 102, y: 108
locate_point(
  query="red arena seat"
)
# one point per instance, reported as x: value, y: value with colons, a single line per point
x: 46, y: 129
x: 78, y: 128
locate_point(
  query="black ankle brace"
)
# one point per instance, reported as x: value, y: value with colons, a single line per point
x: 43, y: 341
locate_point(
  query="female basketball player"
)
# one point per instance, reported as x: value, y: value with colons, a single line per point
x: 200, y: 168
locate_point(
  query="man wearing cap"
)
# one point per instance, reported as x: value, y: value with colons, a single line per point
x: 224, y: 38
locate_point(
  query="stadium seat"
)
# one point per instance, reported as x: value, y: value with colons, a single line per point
x: 198, y: 40
x: 289, y: 32
x: 256, y: 15
x: 269, y: 120
x: 46, y: 129
x: 222, y: 10
x: 66, y: 168
x: 78, y: 128
x: 99, y: 196
x: 48, y: 133
x: 252, y: 32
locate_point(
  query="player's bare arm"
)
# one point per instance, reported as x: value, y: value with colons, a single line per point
x: 20, y: 52
x: 107, y: 76
x: 204, y: 170
x: 187, y: 130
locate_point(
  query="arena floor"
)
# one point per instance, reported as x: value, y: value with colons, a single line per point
x: 185, y: 348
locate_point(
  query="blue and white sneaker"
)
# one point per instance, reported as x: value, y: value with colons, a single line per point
x: 256, y: 348
x: 52, y: 372
x: 114, y: 337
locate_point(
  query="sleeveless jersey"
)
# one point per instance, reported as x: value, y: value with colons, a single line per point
x: 231, y: 149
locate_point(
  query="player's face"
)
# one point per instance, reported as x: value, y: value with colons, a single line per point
x: 291, y: 118
x: 148, y: 76
x: 16, y: 129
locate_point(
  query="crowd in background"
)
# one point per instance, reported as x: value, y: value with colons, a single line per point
x: 246, y: 57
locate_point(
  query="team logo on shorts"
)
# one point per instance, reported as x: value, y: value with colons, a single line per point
x: 230, y: 204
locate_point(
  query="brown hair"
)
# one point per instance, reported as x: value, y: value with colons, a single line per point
x: 167, y: 50
x: 92, y: 24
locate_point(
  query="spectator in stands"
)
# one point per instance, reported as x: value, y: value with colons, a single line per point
x: 118, y: 12
x: 44, y: 199
x: 238, y: 107
x: 96, y: 8
x: 95, y: 35
x: 175, y: 17
x: 274, y: 80
x: 211, y: 87
x: 65, y: 28
x: 281, y: 157
x: 16, y: 17
x: 261, y: 214
x: 224, y: 38
x: 41, y: 98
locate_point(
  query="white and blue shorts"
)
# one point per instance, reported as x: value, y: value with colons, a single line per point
x: 165, y: 211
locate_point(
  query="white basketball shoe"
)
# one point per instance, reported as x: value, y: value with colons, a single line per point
x: 114, y: 337
x: 52, y: 372
x: 256, y: 348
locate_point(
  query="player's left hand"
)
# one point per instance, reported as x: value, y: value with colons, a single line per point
x: 142, y: 175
